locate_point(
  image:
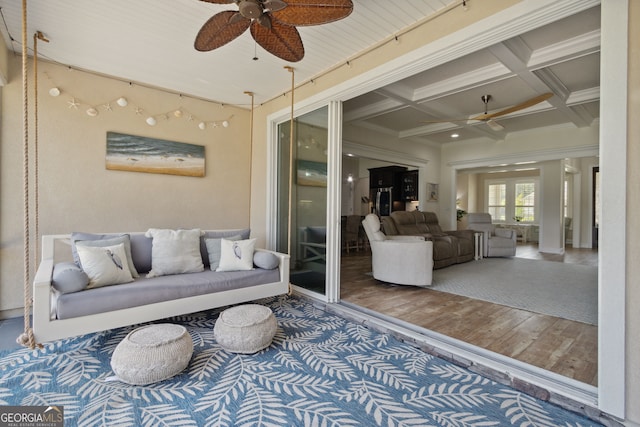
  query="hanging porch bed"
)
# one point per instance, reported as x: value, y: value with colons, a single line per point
x: 168, y: 278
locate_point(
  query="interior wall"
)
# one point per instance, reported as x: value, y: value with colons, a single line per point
x: 633, y: 219
x: 545, y: 144
x: 77, y: 193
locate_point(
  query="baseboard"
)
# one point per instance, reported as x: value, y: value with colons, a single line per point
x: 10, y: 314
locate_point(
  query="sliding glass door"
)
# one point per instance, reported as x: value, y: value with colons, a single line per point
x: 302, y: 198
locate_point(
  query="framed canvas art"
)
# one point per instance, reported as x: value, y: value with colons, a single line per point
x: 152, y: 155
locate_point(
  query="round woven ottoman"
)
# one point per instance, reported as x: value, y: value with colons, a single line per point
x: 152, y: 353
x: 246, y: 328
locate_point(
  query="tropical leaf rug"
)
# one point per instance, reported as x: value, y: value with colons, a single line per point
x: 321, y: 370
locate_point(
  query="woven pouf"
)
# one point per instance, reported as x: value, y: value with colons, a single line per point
x: 246, y: 328
x: 152, y: 353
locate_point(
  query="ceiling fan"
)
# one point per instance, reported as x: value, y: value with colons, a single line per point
x: 488, y: 118
x: 272, y: 23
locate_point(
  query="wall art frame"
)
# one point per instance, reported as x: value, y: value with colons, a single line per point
x: 152, y: 155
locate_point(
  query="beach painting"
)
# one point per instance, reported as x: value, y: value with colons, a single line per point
x: 312, y: 173
x: 152, y: 155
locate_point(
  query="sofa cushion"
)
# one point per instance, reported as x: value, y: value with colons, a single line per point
x: 219, y: 234
x: 105, y: 265
x: 98, y: 240
x: 214, y: 250
x: 236, y: 255
x: 141, y: 249
x: 405, y: 223
x: 67, y: 277
x: 175, y: 251
x: 266, y: 260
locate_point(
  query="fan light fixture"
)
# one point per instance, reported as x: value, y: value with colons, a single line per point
x: 488, y: 117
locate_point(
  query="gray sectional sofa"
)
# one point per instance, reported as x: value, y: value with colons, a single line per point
x: 449, y: 247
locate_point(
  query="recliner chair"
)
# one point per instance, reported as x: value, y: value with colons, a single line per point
x: 403, y: 260
x: 498, y: 242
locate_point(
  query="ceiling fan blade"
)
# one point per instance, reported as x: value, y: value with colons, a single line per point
x: 281, y: 40
x: 526, y: 104
x: 313, y: 12
x: 466, y: 119
x: 220, y: 30
x: 274, y: 5
x: 494, y: 125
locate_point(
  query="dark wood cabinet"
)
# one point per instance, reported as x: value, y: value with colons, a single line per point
x: 385, y: 188
x: 410, y: 186
x: 388, y: 176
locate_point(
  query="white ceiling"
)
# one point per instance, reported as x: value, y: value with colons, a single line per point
x: 150, y: 42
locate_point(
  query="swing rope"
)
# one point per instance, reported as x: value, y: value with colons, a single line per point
x: 27, y: 338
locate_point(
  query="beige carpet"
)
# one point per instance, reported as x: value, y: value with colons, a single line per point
x: 569, y: 291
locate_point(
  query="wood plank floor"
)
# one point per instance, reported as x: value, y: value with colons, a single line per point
x: 562, y: 346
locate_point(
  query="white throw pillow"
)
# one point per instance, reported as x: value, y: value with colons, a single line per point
x: 236, y: 254
x: 175, y: 251
x: 106, y: 265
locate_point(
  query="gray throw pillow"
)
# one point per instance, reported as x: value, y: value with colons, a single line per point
x: 214, y: 250
x: 265, y: 260
x: 68, y: 277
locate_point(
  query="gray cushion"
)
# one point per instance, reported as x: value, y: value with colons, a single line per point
x: 141, y: 248
x: 265, y: 260
x: 68, y: 277
x: 102, y: 240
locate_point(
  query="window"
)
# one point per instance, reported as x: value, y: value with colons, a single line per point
x: 525, y: 202
x: 512, y: 200
x: 496, y: 204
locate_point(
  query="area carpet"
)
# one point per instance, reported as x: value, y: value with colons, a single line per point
x: 569, y: 291
x: 321, y: 370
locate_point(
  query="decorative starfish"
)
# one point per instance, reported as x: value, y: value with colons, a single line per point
x: 73, y: 104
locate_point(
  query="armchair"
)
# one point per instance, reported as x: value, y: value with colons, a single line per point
x: 497, y: 242
x: 403, y: 260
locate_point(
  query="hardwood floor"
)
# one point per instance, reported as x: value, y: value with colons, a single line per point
x: 562, y: 346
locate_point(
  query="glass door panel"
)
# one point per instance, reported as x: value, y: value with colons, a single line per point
x: 302, y: 215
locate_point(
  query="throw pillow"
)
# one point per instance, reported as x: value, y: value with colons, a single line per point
x: 105, y: 240
x: 175, y: 252
x: 231, y: 234
x: 105, y: 265
x: 266, y: 260
x: 236, y: 255
x: 213, y: 250
x: 67, y: 277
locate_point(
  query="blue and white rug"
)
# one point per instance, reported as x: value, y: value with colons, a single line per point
x: 321, y: 370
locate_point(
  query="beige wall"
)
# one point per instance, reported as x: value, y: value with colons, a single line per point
x: 77, y: 193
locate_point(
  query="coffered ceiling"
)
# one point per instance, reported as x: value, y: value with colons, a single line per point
x: 562, y: 58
